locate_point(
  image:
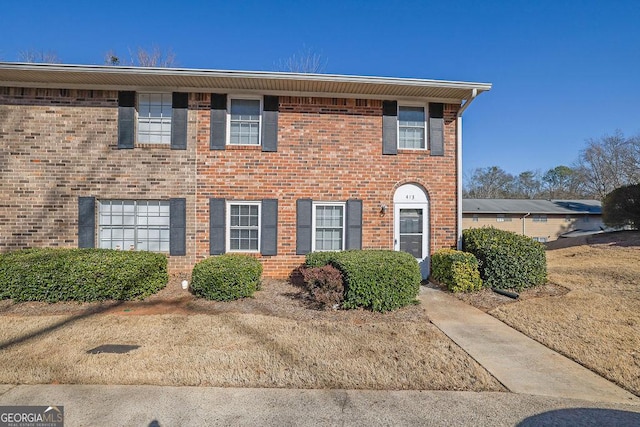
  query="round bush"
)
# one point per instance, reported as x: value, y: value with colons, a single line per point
x: 506, y: 259
x: 226, y: 277
x: 456, y: 269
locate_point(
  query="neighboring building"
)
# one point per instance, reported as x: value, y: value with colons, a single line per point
x: 195, y: 163
x: 543, y: 220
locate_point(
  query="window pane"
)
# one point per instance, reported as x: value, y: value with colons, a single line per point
x: 243, y: 227
x: 245, y: 109
x: 411, y: 116
x: 329, y: 227
x: 154, y: 118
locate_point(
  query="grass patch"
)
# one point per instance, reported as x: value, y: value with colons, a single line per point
x: 271, y: 340
x: 597, y: 323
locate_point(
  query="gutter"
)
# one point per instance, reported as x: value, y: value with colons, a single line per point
x: 524, y: 221
x: 474, y: 94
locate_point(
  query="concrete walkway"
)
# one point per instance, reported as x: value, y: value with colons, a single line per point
x: 518, y: 362
x: 93, y: 405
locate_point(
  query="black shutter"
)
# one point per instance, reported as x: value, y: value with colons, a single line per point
x: 269, y: 225
x: 178, y: 226
x: 354, y: 224
x: 304, y: 210
x: 389, y: 127
x: 270, y: 123
x: 218, y: 129
x: 126, y: 119
x: 86, y: 222
x: 217, y: 217
x: 436, y: 129
x: 180, y: 105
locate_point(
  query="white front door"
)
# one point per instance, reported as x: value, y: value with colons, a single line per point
x: 411, y: 224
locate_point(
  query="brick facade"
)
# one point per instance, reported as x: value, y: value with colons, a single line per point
x: 57, y: 145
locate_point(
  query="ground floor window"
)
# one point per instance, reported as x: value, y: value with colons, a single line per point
x: 328, y: 226
x: 243, y: 226
x: 134, y: 225
x: 539, y: 218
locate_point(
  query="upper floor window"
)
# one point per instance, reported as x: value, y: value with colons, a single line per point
x: 328, y: 226
x: 243, y: 226
x: 154, y: 118
x: 134, y: 225
x: 503, y: 218
x: 539, y: 218
x: 411, y: 127
x: 244, y: 121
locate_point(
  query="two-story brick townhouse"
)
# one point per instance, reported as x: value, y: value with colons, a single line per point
x: 196, y: 163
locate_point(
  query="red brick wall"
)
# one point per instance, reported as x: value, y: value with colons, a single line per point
x: 329, y: 150
x: 56, y: 145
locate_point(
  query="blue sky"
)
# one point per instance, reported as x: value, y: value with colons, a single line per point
x: 562, y: 71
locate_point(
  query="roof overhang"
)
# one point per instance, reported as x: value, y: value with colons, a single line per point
x: 102, y: 77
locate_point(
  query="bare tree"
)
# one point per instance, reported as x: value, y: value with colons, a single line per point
x: 141, y: 57
x: 528, y: 185
x: 304, y: 61
x: 490, y: 183
x: 609, y: 162
x: 39, y: 56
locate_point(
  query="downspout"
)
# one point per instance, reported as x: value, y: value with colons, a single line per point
x: 524, y: 221
x: 474, y: 93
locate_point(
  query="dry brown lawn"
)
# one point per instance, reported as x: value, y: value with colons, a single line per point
x: 275, y: 339
x: 597, y: 323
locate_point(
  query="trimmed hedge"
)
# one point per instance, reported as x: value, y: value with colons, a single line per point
x: 380, y: 280
x: 54, y: 275
x: 319, y: 259
x: 226, y: 277
x: 507, y: 260
x: 456, y: 269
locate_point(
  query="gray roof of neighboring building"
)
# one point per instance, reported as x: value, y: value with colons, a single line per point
x: 532, y: 206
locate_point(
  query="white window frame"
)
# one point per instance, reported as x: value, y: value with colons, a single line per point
x: 313, y: 224
x: 503, y: 218
x: 162, y: 135
x: 136, y: 226
x: 229, y: 203
x: 228, y: 136
x: 426, y: 121
x: 475, y: 218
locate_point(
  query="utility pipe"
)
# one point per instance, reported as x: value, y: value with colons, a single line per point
x: 474, y: 93
x: 524, y: 230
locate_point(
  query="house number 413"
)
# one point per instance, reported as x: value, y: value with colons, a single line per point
x: 410, y: 196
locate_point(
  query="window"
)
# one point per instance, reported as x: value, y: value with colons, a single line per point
x: 411, y: 127
x: 243, y: 219
x: 503, y: 218
x: 244, y: 121
x: 475, y: 218
x: 130, y: 224
x: 539, y: 218
x: 154, y: 118
x: 328, y: 227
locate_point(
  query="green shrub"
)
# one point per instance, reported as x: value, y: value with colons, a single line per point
x: 456, y: 269
x: 506, y: 259
x: 324, y: 284
x: 380, y: 280
x: 54, y: 275
x: 226, y: 277
x: 318, y: 259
